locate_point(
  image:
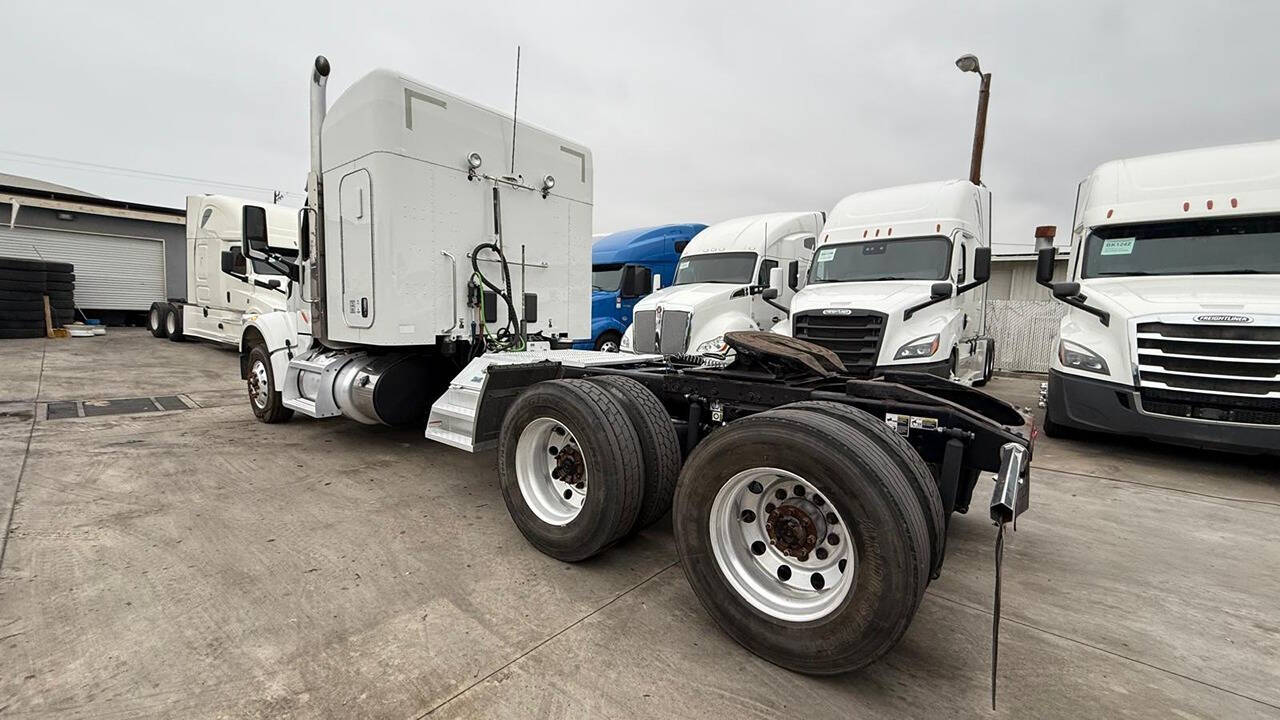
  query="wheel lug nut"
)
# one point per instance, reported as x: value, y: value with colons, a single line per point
x: 798, y: 490
x: 748, y: 516
x: 755, y: 487
x: 821, y: 553
x: 757, y: 548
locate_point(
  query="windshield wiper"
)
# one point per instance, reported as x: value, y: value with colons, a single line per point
x: 1241, y: 271
x: 1126, y: 273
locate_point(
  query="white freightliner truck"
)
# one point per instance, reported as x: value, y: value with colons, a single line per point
x: 1173, y: 329
x: 730, y: 278
x: 223, y: 285
x: 811, y: 509
x: 897, y: 282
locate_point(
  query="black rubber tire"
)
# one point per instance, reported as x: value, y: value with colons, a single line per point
x: 27, y: 276
x: 53, y: 266
x: 23, y: 264
x: 22, y: 324
x: 897, y: 447
x: 1054, y: 429
x: 274, y: 411
x: 607, y: 337
x: 22, y: 286
x: 659, y: 446
x: 13, y: 334
x: 61, y: 296
x: 23, y: 316
x: 59, y: 286
x: 611, y: 448
x: 866, y: 486
x: 20, y: 295
x: 155, y: 319
x: 989, y: 364
x: 8, y: 306
x: 173, y: 324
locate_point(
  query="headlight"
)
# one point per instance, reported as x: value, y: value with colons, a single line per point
x: 919, y: 348
x: 1079, y: 357
x: 714, y: 346
x: 625, y: 344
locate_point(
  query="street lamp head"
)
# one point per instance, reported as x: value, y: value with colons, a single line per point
x: 968, y: 63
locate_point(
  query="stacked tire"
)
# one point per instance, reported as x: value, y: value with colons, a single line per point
x: 23, y: 286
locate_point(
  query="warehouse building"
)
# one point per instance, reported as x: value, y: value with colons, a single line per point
x: 1013, y: 276
x: 126, y: 255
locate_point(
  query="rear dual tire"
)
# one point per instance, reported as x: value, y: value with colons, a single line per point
x: 570, y: 439
x: 156, y: 318
x: 879, y: 522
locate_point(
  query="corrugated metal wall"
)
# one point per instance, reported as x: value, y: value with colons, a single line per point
x: 1025, y: 331
x: 112, y: 272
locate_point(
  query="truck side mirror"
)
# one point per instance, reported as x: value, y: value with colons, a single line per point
x: 253, y: 232
x: 981, y: 265
x: 657, y: 283
x: 636, y: 281
x: 1066, y: 289
x: 775, y: 284
x: 793, y: 274
x: 941, y: 290
x: 1045, y: 254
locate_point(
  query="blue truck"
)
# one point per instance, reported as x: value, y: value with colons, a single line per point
x: 623, y: 265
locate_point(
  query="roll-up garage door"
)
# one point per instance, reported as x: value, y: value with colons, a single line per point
x: 112, y: 272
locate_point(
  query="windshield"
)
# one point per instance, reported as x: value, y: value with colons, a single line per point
x: 1226, y: 246
x: 606, y: 277
x: 738, y: 268
x: 907, y: 259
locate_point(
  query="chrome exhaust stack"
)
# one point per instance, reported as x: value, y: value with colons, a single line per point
x: 315, y: 203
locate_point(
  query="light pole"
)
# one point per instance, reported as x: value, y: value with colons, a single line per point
x: 969, y: 63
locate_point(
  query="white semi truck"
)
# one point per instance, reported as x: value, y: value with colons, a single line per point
x: 730, y: 278
x: 223, y: 285
x: 1173, y: 326
x: 436, y: 280
x: 897, y: 282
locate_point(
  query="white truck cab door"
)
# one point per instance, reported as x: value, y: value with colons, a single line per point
x: 763, y: 314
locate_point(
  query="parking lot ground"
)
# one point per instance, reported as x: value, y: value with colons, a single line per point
x: 196, y: 563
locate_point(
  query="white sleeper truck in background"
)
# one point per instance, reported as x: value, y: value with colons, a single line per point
x: 735, y: 275
x: 897, y: 282
x: 1173, y: 330
x: 224, y: 285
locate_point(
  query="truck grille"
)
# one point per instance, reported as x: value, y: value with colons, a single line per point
x: 1210, y: 372
x: 675, y: 332
x: 855, y: 337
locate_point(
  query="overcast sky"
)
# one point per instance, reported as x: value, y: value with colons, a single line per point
x: 694, y: 111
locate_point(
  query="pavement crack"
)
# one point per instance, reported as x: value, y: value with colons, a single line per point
x: 548, y: 639
x: 1113, y: 653
x: 1159, y: 487
x: 26, y: 452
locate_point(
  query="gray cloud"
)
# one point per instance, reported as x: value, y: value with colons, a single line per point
x: 693, y: 111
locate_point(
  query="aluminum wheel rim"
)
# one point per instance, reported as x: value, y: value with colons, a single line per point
x: 758, y: 566
x: 171, y: 324
x: 259, y: 384
x: 546, y: 452
x: 154, y: 319
x: 609, y: 346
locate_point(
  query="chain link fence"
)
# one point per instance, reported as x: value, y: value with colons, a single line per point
x: 1025, y: 331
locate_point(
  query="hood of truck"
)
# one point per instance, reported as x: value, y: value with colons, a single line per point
x: 692, y: 297
x: 885, y: 296
x: 1179, y: 293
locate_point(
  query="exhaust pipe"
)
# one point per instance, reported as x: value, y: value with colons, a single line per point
x: 315, y: 202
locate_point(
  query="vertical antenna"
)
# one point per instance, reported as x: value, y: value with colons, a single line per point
x: 515, y: 109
